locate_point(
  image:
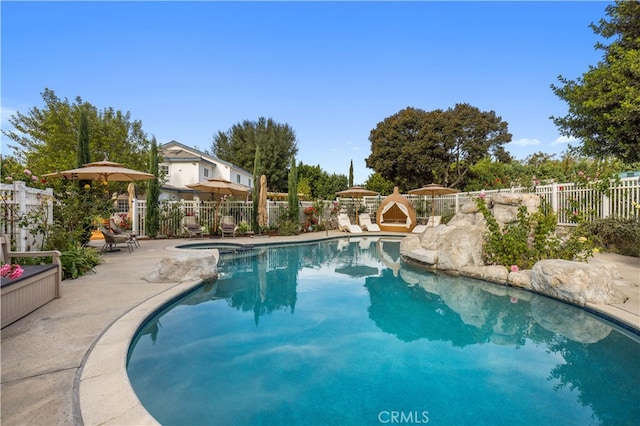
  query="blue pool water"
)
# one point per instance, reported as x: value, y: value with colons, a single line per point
x: 341, y: 333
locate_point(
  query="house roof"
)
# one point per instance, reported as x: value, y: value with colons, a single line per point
x: 180, y: 152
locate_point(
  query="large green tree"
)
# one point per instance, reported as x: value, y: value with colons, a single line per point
x: 277, y: 145
x: 604, y: 104
x: 322, y: 185
x: 46, y: 138
x: 414, y: 147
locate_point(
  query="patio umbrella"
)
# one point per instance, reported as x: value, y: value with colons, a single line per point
x: 107, y: 171
x: 132, y: 193
x: 356, y: 192
x: 433, y: 189
x: 220, y: 187
x: 262, y: 202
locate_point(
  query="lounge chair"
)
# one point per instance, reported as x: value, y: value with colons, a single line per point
x: 366, y: 224
x: 112, y: 240
x: 192, y: 227
x: 431, y: 223
x: 228, y: 227
x: 119, y: 231
x: 345, y: 225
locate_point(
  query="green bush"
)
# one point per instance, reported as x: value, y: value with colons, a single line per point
x: 530, y: 239
x: 288, y: 228
x: 79, y: 260
x: 616, y: 235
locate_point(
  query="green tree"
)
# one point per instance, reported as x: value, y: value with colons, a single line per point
x: 257, y: 172
x: 377, y: 183
x: 351, y: 174
x: 45, y: 139
x: 152, y: 214
x: 277, y: 144
x: 322, y: 185
x: 83, y: 155
x: 415, y: 147
x: 294, y: 208
x: 604, y: 104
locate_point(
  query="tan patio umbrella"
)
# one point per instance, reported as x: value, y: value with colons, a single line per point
x: 107, y: 171
x: 356, y: 192
x: 262, y: 203
x: 220, y: 187
x: 433, y: 189
x: 132, y: 193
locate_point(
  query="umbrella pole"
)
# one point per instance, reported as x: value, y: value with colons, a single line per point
x: 433, y: 211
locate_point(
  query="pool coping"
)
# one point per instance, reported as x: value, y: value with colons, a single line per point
x: 102, y: 389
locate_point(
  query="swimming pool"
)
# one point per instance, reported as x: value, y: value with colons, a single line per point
x: 339, y: 332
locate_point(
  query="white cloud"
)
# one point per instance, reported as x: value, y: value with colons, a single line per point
x: 565, y: 140
x: 526, y: 142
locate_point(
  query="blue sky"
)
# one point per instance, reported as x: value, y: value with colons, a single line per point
x: 331, y: 70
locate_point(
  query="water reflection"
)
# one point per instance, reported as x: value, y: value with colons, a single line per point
x: 417, y: 306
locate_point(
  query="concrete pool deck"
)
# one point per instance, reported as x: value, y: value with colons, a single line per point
x: 65, y: 362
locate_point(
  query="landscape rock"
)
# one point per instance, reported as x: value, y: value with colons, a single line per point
x: 520, y: 279
x: 461, y: 247
x: 576, y: 282
x: 183, y: 267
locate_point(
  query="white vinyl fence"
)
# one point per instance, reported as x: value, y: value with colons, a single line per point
x: 24, y: 209
x: 569, y: 200
x: 24, y: 212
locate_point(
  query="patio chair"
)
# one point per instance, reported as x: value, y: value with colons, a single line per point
x: 431, y: 223
x: 112, y: 240
x: 345, y: 225
x: 119, y: 231
x: 228, y: 226
x: 192, y: 227
x: 366, y: 224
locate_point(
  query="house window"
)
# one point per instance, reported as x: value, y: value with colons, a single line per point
x: 238, y: 178
x: 206, y: 172
x: 164, y: 169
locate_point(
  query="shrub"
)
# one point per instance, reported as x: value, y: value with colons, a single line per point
x: 616, y: 235
x: 79, y: 260
x: 530, y: 239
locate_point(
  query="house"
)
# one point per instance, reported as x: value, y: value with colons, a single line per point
x: 182, y: 165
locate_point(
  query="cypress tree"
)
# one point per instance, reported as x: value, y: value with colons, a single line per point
x: 294, y: 208
x: 86, y: 200
x: 351, y: 174
x: 152, y: 215
x: 257, y: 171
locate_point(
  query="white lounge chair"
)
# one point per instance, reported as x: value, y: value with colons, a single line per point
x: 345, y: 225
x: 366, y: 224
x: 431, y: 223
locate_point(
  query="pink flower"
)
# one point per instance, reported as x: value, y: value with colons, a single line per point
x: 514, y: 268
x: 482, y: 195
x: 5, y: 270
x: 12, y: 271
x: 9, y: 179
x: 17, y: 272
x: 34, y: 178
x: 27, y: 172
x: 580, y: 173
